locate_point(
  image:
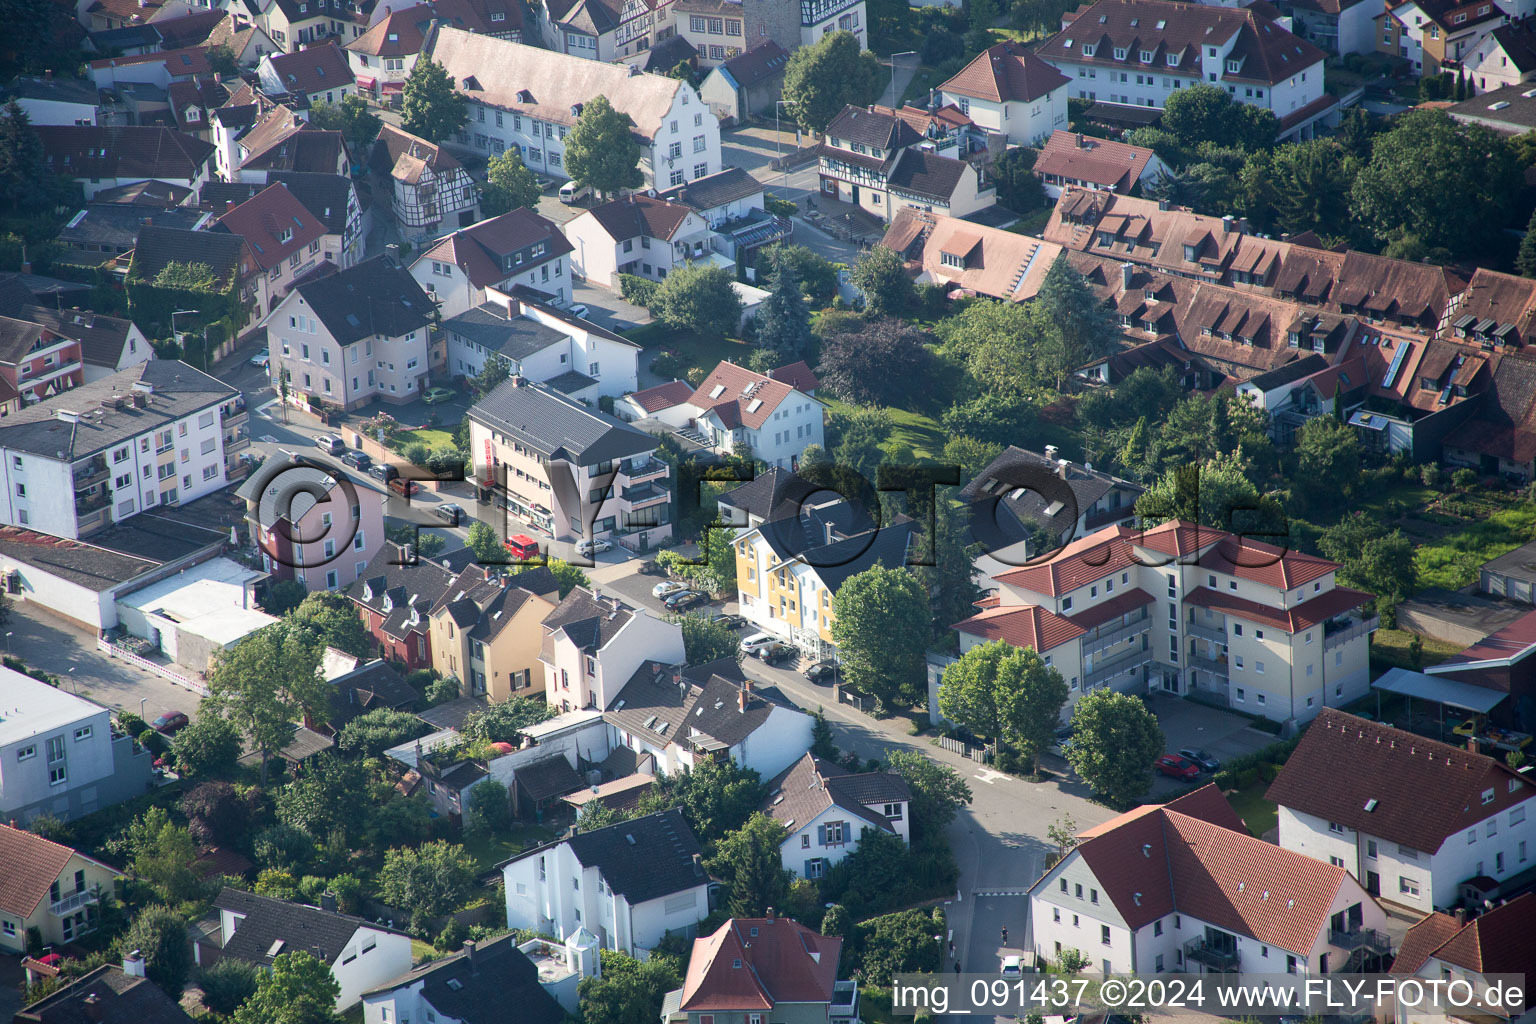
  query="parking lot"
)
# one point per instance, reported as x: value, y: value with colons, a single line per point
x: 1190, y: 726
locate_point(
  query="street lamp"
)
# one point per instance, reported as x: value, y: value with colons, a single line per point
x: 894, y: 58
x: 142, y: 702
x: 778, y: 140
x: 8, y: 643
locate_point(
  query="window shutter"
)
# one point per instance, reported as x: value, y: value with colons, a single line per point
x: 847, y: 831
x: 821, y: 835
x: 808, y: 864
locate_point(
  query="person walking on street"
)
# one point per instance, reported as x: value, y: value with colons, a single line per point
x: 1005, y: 935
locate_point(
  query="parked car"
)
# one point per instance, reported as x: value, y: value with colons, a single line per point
x: 758, y: 642
x: 1176, y: 767
x: 435, y: 395
x: 666, y: 588
x: 579, y: 309
x: 169, y: 723
x: 780, y: 652
x: 1205, y: 762
x: 822, y: 671
x: 685, y: 599
x: 1063, y: 741
x: 449, y: 513
x: 730, y: 620
x: 403, y: 487
x: 1013, y: 966
x: 571, y: 192
x: 262, y: 359
x: 357, y: 459
x: 594, y: 547
x: 383, y: 472
x: 330, y: 445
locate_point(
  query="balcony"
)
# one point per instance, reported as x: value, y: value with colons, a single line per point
x: 237, y: 443
x: 234, y: 413
x: 91, y: 472
x: 1217, y: 634
x: 646, y: 494
x: 1118, y: 667
x: 1214, y: 958
x: 844, y: 1008
x: 650, y: 469
x: 1368, y: 939
x: 1348, y: 630
x: 1206, y: 663
x: 73, y: 902
x: 91, y: 502
x: 1110, y: 636
x: 27, y: 382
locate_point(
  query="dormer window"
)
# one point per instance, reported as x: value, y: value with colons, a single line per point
x: 1234, y: 66
x: 1294, y: 339
x: 949, y: 259
x: 1190, y: 253
x: 1119, y: 53
x: 1088, y: 49
x: 1173, y: 60
x: 1146, y: 56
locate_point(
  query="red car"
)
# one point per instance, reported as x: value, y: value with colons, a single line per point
x: 169, y: 723
x: 1177, y: 767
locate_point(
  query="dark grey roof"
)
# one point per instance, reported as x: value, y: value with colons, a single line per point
x: 120, y: 999
x: 305, y: 484
x: 516, y: 337
x: 55, y: 90
x: 759, y: 64
x: 126, y: 38
x: 715, y: 190
x: 668, y: 53
x: 549, y: 778
x: 324, y: 195
x: 809, y: 786
x: 102, y: 338
x: 119, y: 225
x: 1291, y: 371
x: 845, y: 557
x: 641, y: 859
x: 698, y: 705
x: 498, y: 985
x: 879, y: 129
x: 366, y: 688
x: 390, y: 582
x: 1519, y: 563
x: 451, y: 715
x: 321, y: 933
x: 771, y: 495
x: 219, y: 193
x: 556, y: 426
x: 927, y: 174
x: 84, y: 564
x: 1088, y: 486
x: 376, y: 296
x: 157, y: 246
x: 570, y: 382
x: 179, y: 391
x: 589, y: 621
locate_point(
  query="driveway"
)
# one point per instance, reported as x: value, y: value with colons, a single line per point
x: 1221, y: 734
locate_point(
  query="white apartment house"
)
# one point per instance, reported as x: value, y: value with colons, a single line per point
x: 1009, y: 90
x: 628, y: 884
x: 517, y: 249
x: 1184, y: 608
x: 535, y: 96
x: 732, y: 406
x: 721, y: 29
x: 1138, y: 52
x: 361, y: 955
x: 1183, y: 888
x: 60, y: 754
x: 541, y: 343
x: 639, y: 235
x: 571, y: 471
x: 1410, y: 817
x: 826, y: 811
x: 149, y: 435
x: 594, y: 644
x: 1442, y: 947
x: 352, y: 336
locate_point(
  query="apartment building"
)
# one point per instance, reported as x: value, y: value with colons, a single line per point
x: 1410, y: 817
x: 570, y: 470
x: 148, y: 435
x: 36, y: 361
x: 541, y: 343
x: 1432, y: 34
x: 486, y: 631
x: 296, y: 24
x: 433, y: 193
x: 537, y: 95
x: 311, y: 526
x: 1138, y: 52
x: 1188, y: 609
x: 629, y: 884
x: 640, y: 235
x: 593, y: 644
x: 346, y: 338
x: 875, y: 159
x: 518, y: 248
x: 395, y: 595
x: 1009, y: 90
x: 49, y: 887
x: 720, y: 29
x: 61, y: 754
x: 1184, y: 888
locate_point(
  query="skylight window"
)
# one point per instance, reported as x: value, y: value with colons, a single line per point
x: 755, y: 404
x: 717, y: 391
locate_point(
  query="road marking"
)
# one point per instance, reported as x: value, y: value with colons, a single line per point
x: 989, y: 776
x: 267, y: 438
x: 999, y: 892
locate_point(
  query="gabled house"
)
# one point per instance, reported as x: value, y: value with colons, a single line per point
x: 582, y: 360
x: 876, y: 160
x: 1412, y: 818
x: 1182, y: 887
x: 826, y: 810
x: 746, y: 83
x: 1441, y: 946
x: 318, y: 74
x: 1102, y: 165
x: 763, y: 965
x: 247, y: 40
x: 310, y: 528
x: 601, y: 30
x: 732, y: 203
x: 394, y: 598
x: 107, y: 343
x: 486, y: 631
x: 1506, y: 56
x: 516, y: 248
x: 594, y: 644
x: 48, y: 887
x: 296, y: 24
x: 641, y: 235
x: 629, y: 884
x: 970, y: 259
x: 367, y: 688
x: 99, y: 158
x: 433, y: 193
x: 487, y: 982
x: 1432, y: 34
x: 37, y: 361
x: 110, y: 994
x: 285, y: 239
x: 382, y: 57
x: 1007, y: 89
x: 332, y: 199
x: 362, y: 955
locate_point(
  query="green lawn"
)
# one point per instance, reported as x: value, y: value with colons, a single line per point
x: 696, y: 349
x: 489, y: 851
x: 922, y: 433
x: 429, y: 436
x: 1257, y: 813
x: 1390, y: 647
x: 1453, y: 562
x: 421, y: 951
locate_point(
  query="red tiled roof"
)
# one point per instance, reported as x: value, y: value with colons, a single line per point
x: 263, y: 219
x: 1101, y: 161
x: 1498, y: 942
x: 1115, y: 607
x: 1419, y: 791
x: 1272, y: 566
x: 1292, y: 620
x: 1513, y: 641
x: 1007, y: 71
x: 740, y: 388
x: 1022, y: 626
x: 663, y: 396
x: 1075, y: 565
x: 753, y: 963
x: 797, y: 375
x: 32, y: 865
x: 1421, y: 941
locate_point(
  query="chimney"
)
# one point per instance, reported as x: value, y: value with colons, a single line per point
x: 1081, y: 142
x: 1461, y: 915
x: 328, y: 901
x: 66, y: 416
x: 1162, y: 204
x: 741, y: 702
x: 133, y: 964
x: 1126, y: 270
x: 768, y: 913
x: 1228, y: 224
x: 1061, y: 468
x: 1050, y: 452
x: 469, y: 955
x: 746, y: 684
x: 92, y: 1003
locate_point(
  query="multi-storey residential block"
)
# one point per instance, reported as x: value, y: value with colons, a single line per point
x: 826, y: 810
x: 543, y: 344
x: 1337, y: 26
x: 1008, y: 90
x: 1445, y: 946
x: 49, y: 887
x: 518, y: 248
x: 535, y: 97
x: 433, y: 193
x: 721, y: 30
x: 60, y: 754
x: 486, y: 631
x: 1184, y: 888
x: 149, y: 435
x: 787, y: 971
x: 1410, y: 817
x: 594, y: 644
x: 872, y: 157
x: 628, y: 884
x: 1138, y: 52
x: 347, y: 338
x: 1187, y: 609
x: 309, y: 526
x: 572, y: 471
x: 36, y: 361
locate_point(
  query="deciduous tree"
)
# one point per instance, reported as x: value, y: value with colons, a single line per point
x: 1002, y: 691
x: 426, y: 881
x: 832, y: 73
x: 482, y: 540
x: 705, y: 641
x: 509, y: 184
x: 699, y: 297
x: 601, y: 151
x: 881, y: 629
x: 331, y: 619
x: 430, y: 107
x: 161, y: 936
x: 881, y: 274
x: 299, y: 990
x: 817, y: 276
x: 266, y: 684
x: 938, y: 791
x: 876, y: 364
x: 209, y: 746
x: 505, y: 721
x: 352, y: 118
x: 1115, y: 739
x: 629, y: 992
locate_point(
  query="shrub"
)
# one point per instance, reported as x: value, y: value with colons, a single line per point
x: 637, y: 290
x: 1464, y: 479
x: 416, y: 453
x: 1433, y: 476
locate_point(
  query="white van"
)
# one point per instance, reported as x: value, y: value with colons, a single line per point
x: 570, y: 192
